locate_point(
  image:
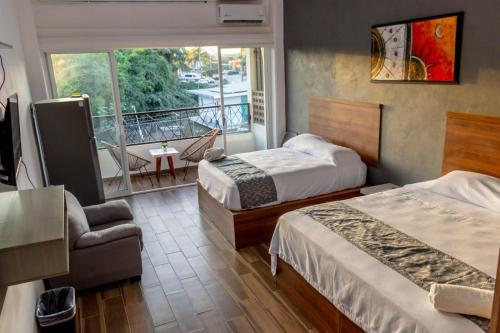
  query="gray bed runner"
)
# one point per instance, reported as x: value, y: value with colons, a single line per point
x: 415, y: 260
x: 255, y: 186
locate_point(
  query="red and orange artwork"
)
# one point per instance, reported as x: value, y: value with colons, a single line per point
x: 421, y: 50
x: 433, y: 47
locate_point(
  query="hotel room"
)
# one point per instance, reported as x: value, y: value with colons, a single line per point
x: 249, y: 166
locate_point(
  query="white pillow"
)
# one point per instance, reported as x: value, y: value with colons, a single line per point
x: 302, y: 141
x: 213, y: 154
x: 475, y: 188
x: 317, y: 146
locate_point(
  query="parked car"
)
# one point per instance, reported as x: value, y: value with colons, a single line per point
x: 230, y: 72
x: 207, y: 80
x: 190, y: 77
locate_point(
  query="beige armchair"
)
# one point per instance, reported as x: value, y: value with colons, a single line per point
x: 104, y: 244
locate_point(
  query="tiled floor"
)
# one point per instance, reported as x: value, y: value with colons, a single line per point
x: 145, y: 183
x: 193, y: 281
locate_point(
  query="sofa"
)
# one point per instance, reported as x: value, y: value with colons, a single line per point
x: 104, y: 244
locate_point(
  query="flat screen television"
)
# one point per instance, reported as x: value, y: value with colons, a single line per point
x: 10, y: 142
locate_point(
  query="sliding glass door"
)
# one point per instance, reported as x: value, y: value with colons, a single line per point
x: 145, y: 99
x: 168, y: 96
x: 91, y: 74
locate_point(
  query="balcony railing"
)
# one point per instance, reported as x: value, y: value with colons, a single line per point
x: 167, y: 125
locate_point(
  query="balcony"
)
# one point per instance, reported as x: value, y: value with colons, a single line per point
x: 167, y: 125
x: 180, y: 127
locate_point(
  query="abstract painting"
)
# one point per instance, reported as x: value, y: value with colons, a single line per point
x: 420, y: 50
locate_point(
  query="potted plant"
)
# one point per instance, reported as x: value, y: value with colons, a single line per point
x: 164, y: 145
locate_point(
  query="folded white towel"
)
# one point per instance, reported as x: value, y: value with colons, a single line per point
x: 460, y: 299
x: 213, y: 154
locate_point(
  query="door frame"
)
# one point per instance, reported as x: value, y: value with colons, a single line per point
x: 119, y: 120
x: 222, y: 102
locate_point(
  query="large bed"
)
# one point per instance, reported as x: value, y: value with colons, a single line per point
x: 342, y: 285
x: 296, y: 176
x: 299, y: 177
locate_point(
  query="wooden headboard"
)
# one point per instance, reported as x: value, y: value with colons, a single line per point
x: 472, y: 144
x: 355, y: 125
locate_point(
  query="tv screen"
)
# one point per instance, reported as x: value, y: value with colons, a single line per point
x: 10, y: 142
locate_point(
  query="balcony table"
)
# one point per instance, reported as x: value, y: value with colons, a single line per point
x: 158, y: 153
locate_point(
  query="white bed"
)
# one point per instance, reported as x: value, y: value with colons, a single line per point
x: 462, y: 222
x: 297, y: 175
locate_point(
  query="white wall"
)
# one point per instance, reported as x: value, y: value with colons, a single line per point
x: 260, y: 136
x: 17, y: 314
x: 16, y: 81
x: 32, y: 56
x: 104, y: 25
x: 277, y: 118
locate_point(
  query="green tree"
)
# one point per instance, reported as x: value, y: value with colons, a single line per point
x: 147, y: 78
x: 176, y: 57
x: 199, y: 59
x: 85, y: 74
x: 148, y: 81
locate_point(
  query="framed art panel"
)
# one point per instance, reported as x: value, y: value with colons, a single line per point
x: 419, y: 50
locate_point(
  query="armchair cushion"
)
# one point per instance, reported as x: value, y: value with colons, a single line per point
x: 77, y: 221
x: 103, y: 236
x: 108, y: 212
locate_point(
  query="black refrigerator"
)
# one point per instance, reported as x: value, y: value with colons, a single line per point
x: 67, y: 147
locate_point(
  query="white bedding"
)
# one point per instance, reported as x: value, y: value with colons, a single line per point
x: 371, y: 294
x: 296, y: 176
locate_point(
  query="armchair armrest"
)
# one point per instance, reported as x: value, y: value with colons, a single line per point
x: 108, y: 212
x: 100, y: 237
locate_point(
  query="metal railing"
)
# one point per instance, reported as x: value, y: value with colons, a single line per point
x: 177, y: 124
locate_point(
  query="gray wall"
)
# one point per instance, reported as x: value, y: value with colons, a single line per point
x: 327, y: 45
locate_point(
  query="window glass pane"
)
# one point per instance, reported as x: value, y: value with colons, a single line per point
x: 85, y: 73
x: 236, y: 89
x: 169, y: 93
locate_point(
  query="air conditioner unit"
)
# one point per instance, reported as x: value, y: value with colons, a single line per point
x: 231, y: 13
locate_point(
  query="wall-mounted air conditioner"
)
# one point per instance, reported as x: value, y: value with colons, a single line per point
x: 231, y: 13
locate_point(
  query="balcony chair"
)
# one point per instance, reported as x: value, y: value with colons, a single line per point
x: 104, y: 244
x: 195, y: 151
x: 135, y: 163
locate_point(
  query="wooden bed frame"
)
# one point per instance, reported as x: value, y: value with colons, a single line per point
x: 254, y: 226
x: 472, y: 144
x: 350, y: 124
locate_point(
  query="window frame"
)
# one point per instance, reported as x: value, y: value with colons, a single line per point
x: 268, y: 78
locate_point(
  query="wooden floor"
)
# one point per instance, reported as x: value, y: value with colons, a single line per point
x: 193, y: 280
x: 144, y: 183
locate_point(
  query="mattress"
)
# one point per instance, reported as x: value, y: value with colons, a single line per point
x: 296, y: 176
x: 374, y: 296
